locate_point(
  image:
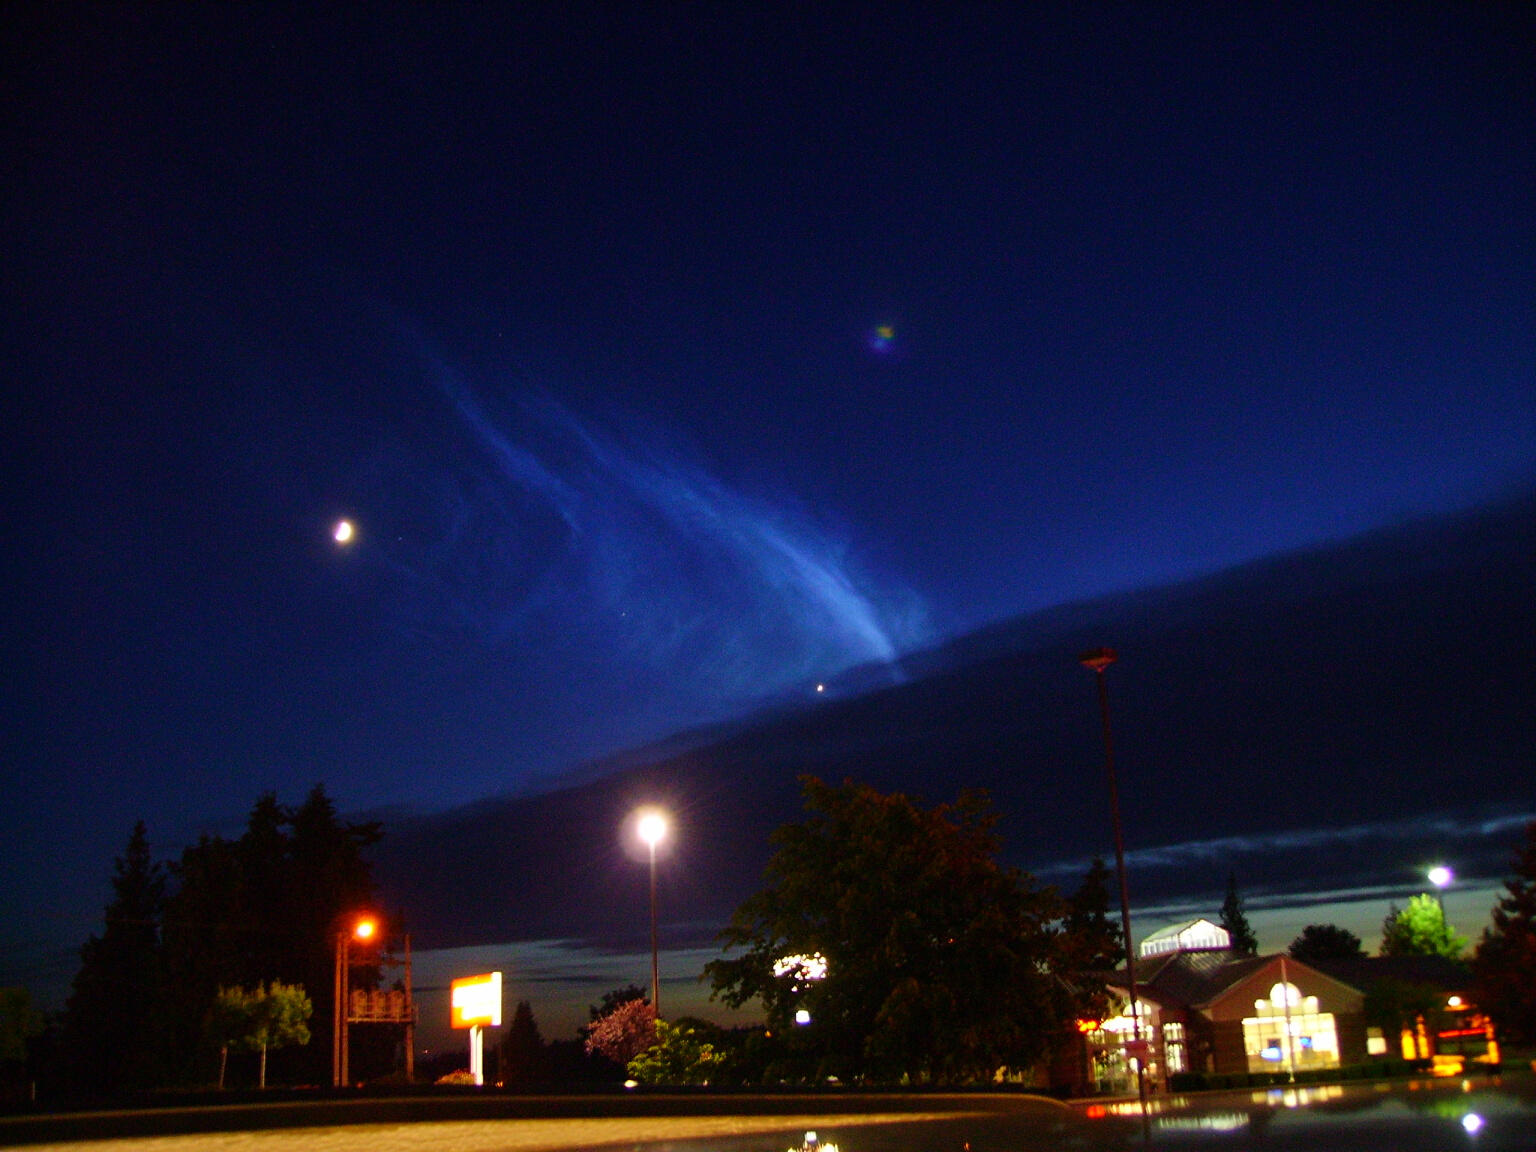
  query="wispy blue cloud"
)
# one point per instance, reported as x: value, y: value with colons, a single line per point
x: 631, y: 544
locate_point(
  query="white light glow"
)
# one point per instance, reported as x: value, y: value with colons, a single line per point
x: 1453, y: 1002
x: 1472, y: 1122
x: 812, y: 967
x: 802, y: 1017
x: 343, y: 532
x: 652, y: 828
x: 1440, y: 876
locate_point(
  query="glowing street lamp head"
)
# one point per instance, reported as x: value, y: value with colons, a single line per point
x: 1440, y: 876
x: 651, y: 827
x: 1098, y: 659
x: 344, y: 532
x: 365, y: 929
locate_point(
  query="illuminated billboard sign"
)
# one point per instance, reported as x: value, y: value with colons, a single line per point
x: 476, y: 1001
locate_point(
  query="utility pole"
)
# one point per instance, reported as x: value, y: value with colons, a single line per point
x: 1097, y: 660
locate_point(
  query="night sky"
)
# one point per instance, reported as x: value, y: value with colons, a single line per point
x: 670, y: 361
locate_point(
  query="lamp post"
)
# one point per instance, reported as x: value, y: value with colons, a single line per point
x: 1096, y: 660
x: 1440, y: 876
x: 652, y: 828
x: 363, y: 930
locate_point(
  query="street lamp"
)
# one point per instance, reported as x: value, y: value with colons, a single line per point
x: 1096, y: 660
x: 652, y: 828
x: 363, y: 930
x: 1440, y: 876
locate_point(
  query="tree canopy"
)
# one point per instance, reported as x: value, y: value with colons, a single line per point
x: 1326, y: 942
x: 1090, y: 943
x: 1420, y: 930
x: 269, y: 1017
x: 934, y: 956
x: 1504, y: 966
x: 625, y: 1032
x: 679, y: 1055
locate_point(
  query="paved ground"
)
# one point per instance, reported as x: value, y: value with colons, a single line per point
x: 1400, y: 1117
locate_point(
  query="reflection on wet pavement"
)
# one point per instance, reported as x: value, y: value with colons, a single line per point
x: 1400, y: 1117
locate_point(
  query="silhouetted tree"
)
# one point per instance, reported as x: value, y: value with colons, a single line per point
x: 1090, y: 943
x: 113, y: 1018
x: 330, y: 876
x: 522, y: 1051
x: 1235, y: 921
x: 1325, y: 942
x: 1504, y: 968
x: 205, y: 944
x: 1420, y: 930
x: 936, y: 954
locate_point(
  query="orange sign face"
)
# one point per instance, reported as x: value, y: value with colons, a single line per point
x: 475, y: 1001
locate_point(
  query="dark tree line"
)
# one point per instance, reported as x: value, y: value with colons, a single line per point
x: 261, y: 908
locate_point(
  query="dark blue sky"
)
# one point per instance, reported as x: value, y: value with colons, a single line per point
x: 581, y: 317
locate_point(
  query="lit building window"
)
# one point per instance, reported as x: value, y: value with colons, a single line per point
x: 1173, y: 1048
x: 1287, y: 1031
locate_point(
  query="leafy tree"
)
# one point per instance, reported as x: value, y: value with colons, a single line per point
x: 1326, y: 942
x: 1420, y: 930
x: 113, y: 1017
x: 936, y: 955
x: 226, y: 1025
x: 268, y: 1018
x: 522, y: 1051
x: 623, y: 1033
x: 678, y: 1056
x: 1089, y: 943
x: 1235, y: 921
x: 1504, y: 968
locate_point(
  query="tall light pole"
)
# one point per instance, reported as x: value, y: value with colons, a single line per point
x: 1098, y: 659
x: 652, y: 828
x: 363, y: 930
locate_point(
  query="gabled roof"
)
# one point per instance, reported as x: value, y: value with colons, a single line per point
x: 1190, y: 979
x: 1199, y: 979
x: 1189, y: 936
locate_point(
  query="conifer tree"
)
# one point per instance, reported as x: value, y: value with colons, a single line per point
x: 112, y: 1029
x: 1420, y: 930
x: 1235, y: 921
x: 522, y: 1052
x: 1090, y: 943
x: 1504, y: 967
